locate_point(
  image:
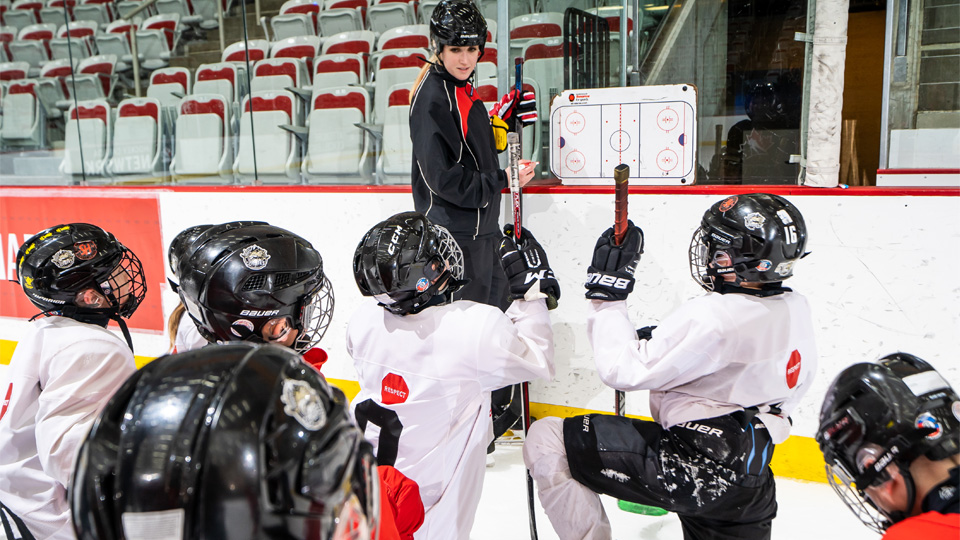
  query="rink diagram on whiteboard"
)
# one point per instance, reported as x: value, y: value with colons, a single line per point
x: 656, y: 138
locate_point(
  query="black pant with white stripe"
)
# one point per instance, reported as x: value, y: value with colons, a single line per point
x: 713, y: 473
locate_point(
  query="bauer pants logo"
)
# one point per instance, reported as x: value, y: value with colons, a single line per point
x: 693, y: 426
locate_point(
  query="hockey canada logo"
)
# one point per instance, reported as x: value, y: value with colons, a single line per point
x: 754, y: 220
x: 302, y: 402
x: 255, y: 257
x: 63, y: 259
x: 764, y: 265
x: 422, y: 284
x: 85, y: 250
x: 927, y: 420
x: 728, y: 203
x: 393, y: 389
x: 793, y: 369
x: 241, y: 328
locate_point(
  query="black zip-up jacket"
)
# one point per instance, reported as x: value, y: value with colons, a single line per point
x: 456, y: 175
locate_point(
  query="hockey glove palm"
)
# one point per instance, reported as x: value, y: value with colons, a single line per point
x: 527, y: 268
x: 610, y: 276
x: 510, y: 109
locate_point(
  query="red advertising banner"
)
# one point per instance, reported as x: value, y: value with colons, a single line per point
x: 134, y: 219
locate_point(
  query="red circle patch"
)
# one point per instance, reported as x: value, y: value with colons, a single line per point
x: 793, y: 369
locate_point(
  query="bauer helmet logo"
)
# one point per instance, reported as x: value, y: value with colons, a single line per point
x: 255, y: 257
x: 85, y: 250
x: 728, y: 203
x: 754, y: 220
x: 302, y: 402
x: 927, y: 420
x: 63, y: 259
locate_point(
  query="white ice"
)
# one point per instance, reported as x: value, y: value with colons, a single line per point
x: 806, y: 510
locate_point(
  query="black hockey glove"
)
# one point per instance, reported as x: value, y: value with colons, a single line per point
x: 610, y: 276
x: 527, y: 268
x: 646, y: 332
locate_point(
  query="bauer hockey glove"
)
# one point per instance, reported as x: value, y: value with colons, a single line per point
x: 527, y: 268
x: 500, y: 129
x: 610, y: 275
x: 509, y: 109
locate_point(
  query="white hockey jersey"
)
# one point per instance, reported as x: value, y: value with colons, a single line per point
x: 61, y: 374
x: 188, y: 337
x: 716, y: 354
x: 425, y: 383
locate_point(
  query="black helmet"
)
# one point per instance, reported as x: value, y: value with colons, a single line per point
x: 457, y: 23
x: 232, y: 441
x: 880, y: 414
x: 181, y: 242
x: 236, y: 277
x: 56, y: 264
x: 763, y: 235
x: 405, y: 261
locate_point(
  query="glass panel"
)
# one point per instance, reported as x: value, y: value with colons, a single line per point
x: 921, y: 127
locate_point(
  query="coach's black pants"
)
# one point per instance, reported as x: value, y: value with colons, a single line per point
x: 713, y: 473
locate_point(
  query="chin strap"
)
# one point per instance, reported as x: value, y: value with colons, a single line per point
x: 767, y: 289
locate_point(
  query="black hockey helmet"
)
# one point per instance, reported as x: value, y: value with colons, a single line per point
x: 236, y: 277
x: 182, y: 242
x: 457, y: 23
x: 405, y: 261
x: 56, y: 264
x: 763, y: 235
x: 880, y: 414
x: 232, y: 441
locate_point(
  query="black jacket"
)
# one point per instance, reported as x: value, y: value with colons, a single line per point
x: 456, y: 175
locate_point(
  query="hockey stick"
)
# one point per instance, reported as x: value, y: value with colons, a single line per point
x: 515, y: 152
x: 621, y: 183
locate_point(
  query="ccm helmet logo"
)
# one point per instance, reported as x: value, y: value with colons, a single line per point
x: 394, y: 241
x: 257, y: 313
x: 608, y: 281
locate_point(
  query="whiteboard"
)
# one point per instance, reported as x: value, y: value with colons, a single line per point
x: 650, y: 128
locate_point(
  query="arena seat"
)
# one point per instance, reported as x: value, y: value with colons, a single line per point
x: 76, y: 40
x: 95, y: 78
x: 306, y: 47
x: 543, y: 62
x: 394, y: 67
x: 157, y: 39
x: 395, y: 161
x: 52, y: 87
x: 354, y: 42
x: 169, y: 85
x: 22, y: 14
x: 87, y: 138
x: 410, y: 36
x: 237, y: 52
x: 182, y: 8
x: 137, y: 138
x: 487, y: 66
x: 383, y: 16
x: 277, y: 150
x: 11, y: 71
x: 525, y: 28
x: 7, y: 35
x: 23, y: 125
x: 203, y: 150
x: 52, y: 12
x: 425, y: 10
x: 341, y: 16
x: 115, y: 40
x: 33, y: 46
x: 331, y: 70
x: 221, y: 78
x: 99, y: 11
x: 339, y: 155
x: 296, y: 18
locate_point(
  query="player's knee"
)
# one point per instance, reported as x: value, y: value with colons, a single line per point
x: 545, y: 438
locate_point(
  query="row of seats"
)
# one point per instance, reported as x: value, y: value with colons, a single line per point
x: 36, y: 44
x: 24, y: 13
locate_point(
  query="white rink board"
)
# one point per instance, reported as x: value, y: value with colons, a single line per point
x: 652, y: 129
x: 880, y: 277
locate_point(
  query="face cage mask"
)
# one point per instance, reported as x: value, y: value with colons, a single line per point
x: 317, y: 314
x: 450, y: 250
x: 356, y: 522
x: 858, y: 503
x: 126, y: 285
x: 699, y: 257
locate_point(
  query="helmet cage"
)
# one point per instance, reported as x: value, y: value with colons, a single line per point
x: 315, y: 316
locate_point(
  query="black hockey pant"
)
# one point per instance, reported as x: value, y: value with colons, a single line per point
x: 713, y: 473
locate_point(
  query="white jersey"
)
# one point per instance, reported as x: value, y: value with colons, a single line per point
x: 188, y: 337
x: 425, y: 383
x: 61, y: 374
x: 716, y: 354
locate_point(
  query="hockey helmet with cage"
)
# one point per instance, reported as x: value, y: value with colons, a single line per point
x: 880, y: 414
x: 57, y: 264
x: 457, y: 23
x: 237, y: 440
x: 761, y: 236
x: 238, y: 277
x: 405, y: 261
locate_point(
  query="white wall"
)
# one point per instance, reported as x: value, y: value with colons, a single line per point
x: 881, y: 275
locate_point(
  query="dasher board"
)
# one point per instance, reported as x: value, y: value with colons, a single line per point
x: 653, y: 129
